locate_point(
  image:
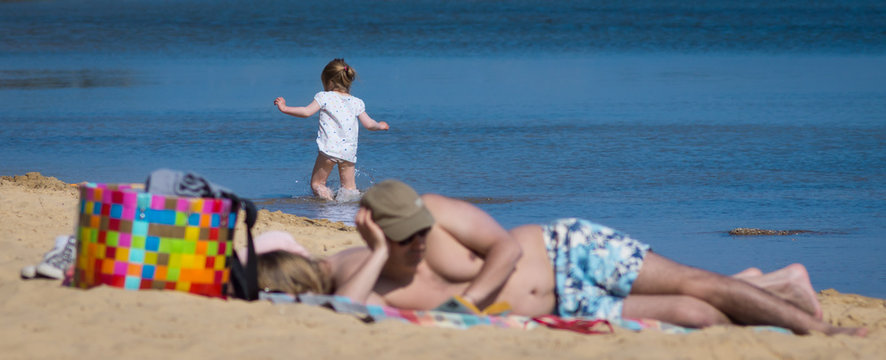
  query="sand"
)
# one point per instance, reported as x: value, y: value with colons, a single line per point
x: 41, y: 319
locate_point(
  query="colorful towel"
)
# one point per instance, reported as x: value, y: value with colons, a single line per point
x: 376, y: 313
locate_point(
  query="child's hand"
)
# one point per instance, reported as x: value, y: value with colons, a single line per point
x: 383, y: 125
x: 280, y: 102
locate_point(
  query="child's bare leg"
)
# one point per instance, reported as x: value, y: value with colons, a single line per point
x: 790, y: 283
x: 347, y: 175
x: 322, y: 168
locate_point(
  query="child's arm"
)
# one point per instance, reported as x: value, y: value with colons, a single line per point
x: 300, y: 111
x: 370, y: 124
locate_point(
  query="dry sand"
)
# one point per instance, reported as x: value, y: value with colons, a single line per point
x: 41, y: 319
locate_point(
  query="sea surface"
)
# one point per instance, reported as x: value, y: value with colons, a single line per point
x: 672, y: 121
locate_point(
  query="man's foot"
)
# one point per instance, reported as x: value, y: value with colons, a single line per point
x: 790, y: 283
x: 749, y: 272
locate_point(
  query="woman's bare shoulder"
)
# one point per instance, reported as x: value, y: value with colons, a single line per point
x: 345, y: 262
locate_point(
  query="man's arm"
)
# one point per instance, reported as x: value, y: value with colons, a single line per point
x: 480, y: 233
x: 359, y: 285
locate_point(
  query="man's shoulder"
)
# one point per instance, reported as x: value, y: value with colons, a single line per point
x: 429, y: 197
x: 439, y: 202
x: 463, y: 222
x: 446, y: 208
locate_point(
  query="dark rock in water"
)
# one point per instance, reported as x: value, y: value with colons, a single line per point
x: 753, y: 231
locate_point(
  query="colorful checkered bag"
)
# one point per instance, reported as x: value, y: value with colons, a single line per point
x: 132, y: 239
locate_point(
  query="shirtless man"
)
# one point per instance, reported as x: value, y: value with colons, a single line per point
x: 422, y: 250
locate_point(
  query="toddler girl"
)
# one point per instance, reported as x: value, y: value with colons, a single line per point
x: 337, y: 136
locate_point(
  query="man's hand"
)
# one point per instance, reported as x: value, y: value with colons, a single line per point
x: 371, y: 233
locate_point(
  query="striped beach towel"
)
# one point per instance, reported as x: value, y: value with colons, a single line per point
x: 377, y: 313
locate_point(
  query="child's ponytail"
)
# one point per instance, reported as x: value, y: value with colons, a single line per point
x: 338, y: 75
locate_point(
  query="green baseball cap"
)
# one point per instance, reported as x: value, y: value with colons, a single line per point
x: 397, y: 209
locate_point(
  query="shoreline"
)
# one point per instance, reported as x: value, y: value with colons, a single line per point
x: 43, y: 319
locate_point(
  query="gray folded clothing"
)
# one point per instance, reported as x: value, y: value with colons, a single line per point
x: 178, y: 183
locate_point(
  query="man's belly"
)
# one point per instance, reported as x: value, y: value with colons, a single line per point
x: 530, y: 289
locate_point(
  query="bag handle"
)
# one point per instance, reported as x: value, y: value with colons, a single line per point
x: 244, y: 279
x: 583, y: 326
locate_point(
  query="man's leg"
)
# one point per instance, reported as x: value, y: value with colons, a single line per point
x: 741, y: 301
x: 675, y: 309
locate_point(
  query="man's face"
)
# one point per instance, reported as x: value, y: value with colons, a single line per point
x: 410, y: 252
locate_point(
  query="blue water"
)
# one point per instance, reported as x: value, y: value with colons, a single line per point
x: 672, y: 122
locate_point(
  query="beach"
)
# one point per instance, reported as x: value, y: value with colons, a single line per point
x: 671, y: 122
x: 42, y: 319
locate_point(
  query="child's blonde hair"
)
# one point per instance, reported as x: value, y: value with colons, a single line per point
x: 338, y: 75
x: 291, y: 273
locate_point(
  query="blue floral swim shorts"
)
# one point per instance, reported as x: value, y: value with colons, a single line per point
x: 594, y: 266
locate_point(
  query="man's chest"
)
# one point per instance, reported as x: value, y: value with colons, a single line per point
x: 426, y: 291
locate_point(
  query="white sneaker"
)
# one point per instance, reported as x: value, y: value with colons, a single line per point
x: 59, y: 259
x: 29, y: 272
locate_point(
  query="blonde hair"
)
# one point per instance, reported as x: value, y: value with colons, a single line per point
x: 292, y: 273
x: 338, y: 75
